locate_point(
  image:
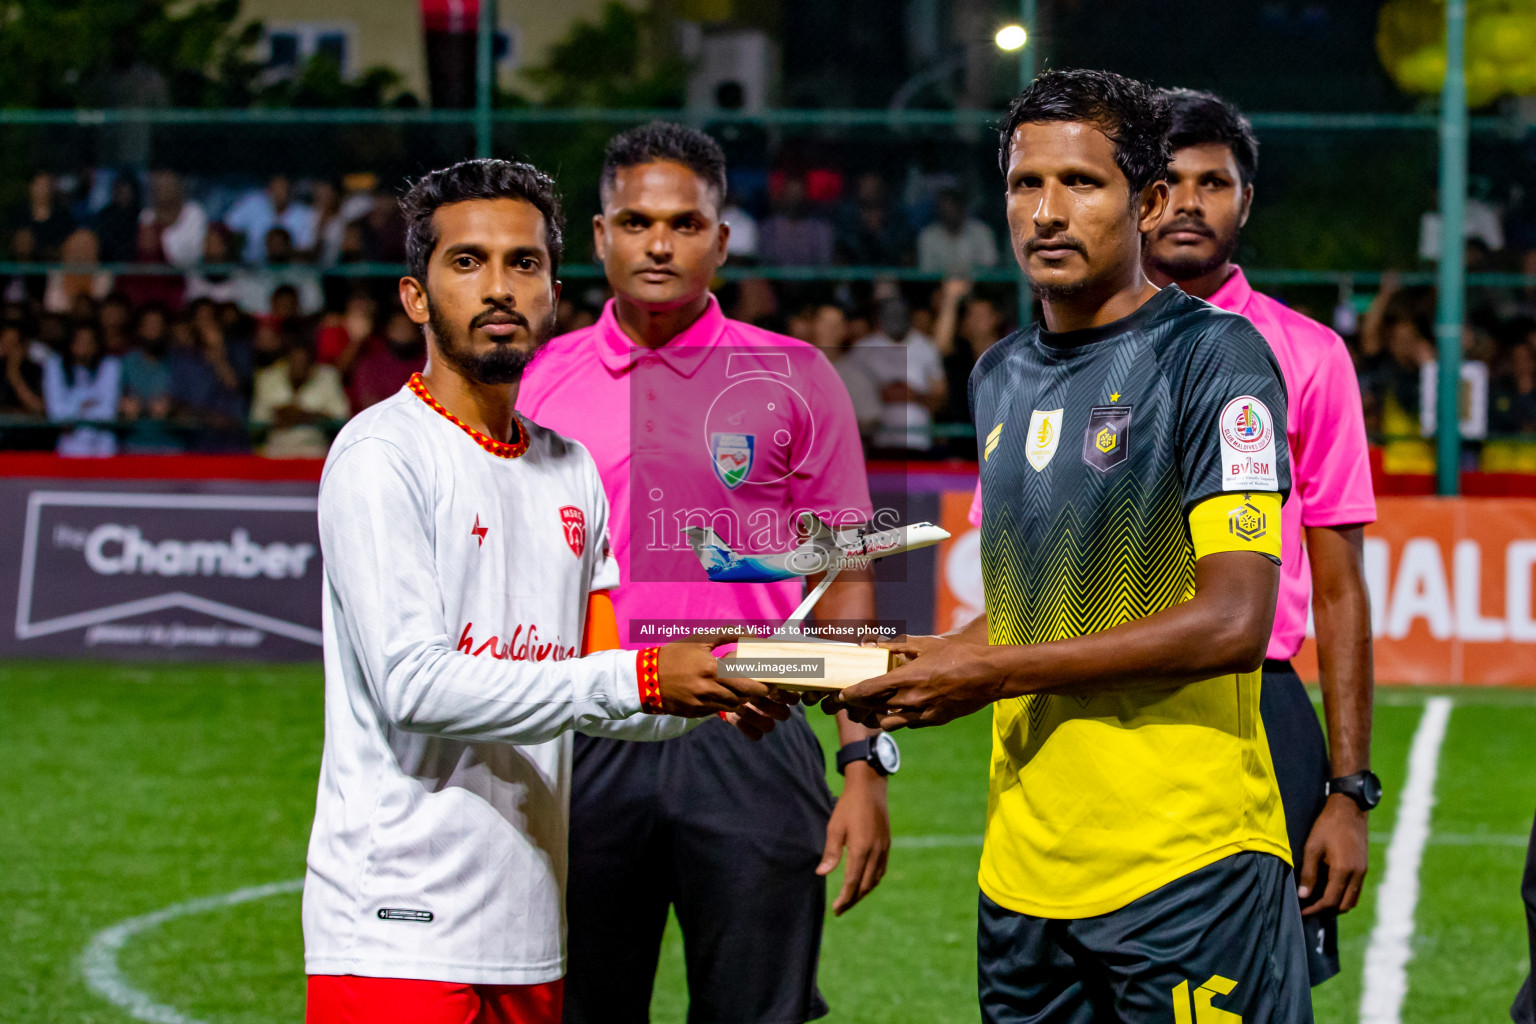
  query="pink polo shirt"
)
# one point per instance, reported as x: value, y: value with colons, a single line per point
x: 727, y: 425
x: 1330, y: 460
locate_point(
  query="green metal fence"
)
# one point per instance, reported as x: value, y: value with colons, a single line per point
x: 489, y: 130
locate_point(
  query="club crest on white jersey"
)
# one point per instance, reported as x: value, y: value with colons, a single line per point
x: 574, y: 522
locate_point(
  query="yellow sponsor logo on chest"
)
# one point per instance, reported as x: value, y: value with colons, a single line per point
x: 993, y: 439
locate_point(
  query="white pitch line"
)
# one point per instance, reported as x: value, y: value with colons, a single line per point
x: 1390, y: 949
x: 99, y: 961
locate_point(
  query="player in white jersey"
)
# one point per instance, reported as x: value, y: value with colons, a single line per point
x: 462, y: 545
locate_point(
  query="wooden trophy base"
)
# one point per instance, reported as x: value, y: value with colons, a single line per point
x: 820, y: 665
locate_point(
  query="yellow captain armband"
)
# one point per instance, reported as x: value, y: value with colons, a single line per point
x: 1237, y: 522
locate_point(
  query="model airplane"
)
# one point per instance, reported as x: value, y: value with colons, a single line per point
x: 823, y: 550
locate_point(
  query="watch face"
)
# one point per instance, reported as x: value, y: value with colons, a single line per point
x: 1370, y: 789
x: 887, y: 753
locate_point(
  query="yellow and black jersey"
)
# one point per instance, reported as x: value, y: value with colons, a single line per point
x: 1113, y: 458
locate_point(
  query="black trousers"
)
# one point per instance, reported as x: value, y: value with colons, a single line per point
x: 725, y: 831
x: 1300, y: 753
x: 1524, y: 1010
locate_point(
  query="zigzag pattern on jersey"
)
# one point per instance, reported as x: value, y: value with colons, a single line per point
x: 1141, y: 563
x: 1125, y: 559
x: 1073, y: 387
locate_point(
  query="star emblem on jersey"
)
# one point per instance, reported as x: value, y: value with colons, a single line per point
x: 574, y: 523
x: 992, y: 441
x: 1044, y: 436
x: 479, y: 532
x: 731, y: 455
x: 1247, y: 521
x: 1107, y: 438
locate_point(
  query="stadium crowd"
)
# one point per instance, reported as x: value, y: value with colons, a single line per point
x: 260, y: 343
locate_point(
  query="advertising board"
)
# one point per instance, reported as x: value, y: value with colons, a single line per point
x: 160, y: 570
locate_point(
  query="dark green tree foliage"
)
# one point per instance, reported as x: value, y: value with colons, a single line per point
x: 78, y: 53
x: 616, y: 62
x: 65, y: 53
x: 319, y: 85
x: 622, y: 60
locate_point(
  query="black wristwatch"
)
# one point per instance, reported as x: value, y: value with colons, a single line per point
x: 881, y: 753
x: 1364, y: 788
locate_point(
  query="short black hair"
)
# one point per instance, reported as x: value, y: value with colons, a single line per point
x: 1203, y: 117
x: 478, y: 179
x: 1130, y: 113
x: 663, y: 140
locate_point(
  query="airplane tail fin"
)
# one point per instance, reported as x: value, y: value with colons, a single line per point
x: 712, y: 552
x: 814, y: 530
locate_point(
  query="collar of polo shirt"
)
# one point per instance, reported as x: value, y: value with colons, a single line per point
x: 684, y: 354
x: 1235, y: 292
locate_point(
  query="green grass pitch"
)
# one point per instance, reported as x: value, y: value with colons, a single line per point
x: 127, y: 789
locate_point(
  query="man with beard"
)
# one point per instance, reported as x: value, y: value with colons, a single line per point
x: 463, y: 545
x: 1133, y: 469
x: 1327, y: 789
x: 695, y: 419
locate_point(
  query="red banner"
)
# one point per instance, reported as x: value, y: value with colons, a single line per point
x: 1452, y: 582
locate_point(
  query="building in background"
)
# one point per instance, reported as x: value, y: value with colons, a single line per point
x: 360, y: 34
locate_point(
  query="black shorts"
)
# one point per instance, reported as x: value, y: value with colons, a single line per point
x: 1300, y: 753
x: 726, y: 831
x: 1225, y: 938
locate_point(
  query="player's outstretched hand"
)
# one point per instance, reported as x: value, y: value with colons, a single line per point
x: 942, y: 680
x: 691, y: 686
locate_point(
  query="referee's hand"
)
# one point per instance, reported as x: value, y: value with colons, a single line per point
x: 1338, y: 839
x: 759, y: 718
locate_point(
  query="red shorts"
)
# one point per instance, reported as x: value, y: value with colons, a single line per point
x: 348, y: 999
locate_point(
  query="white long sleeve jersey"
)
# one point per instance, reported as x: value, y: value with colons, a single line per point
x: 455, y: 588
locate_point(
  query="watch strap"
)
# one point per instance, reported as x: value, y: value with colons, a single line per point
x: 858, y: 750
x: 1354, y: 787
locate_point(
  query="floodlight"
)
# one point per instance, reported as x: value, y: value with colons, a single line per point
x: 1011, y: 37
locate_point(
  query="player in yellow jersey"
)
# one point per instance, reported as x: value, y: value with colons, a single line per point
x: 1136, y: 865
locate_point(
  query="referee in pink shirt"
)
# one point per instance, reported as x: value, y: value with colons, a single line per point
x: 694, y: 419
x: 1327, y: 789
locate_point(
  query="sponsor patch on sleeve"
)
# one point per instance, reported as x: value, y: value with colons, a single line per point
x: 1247, y: 446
